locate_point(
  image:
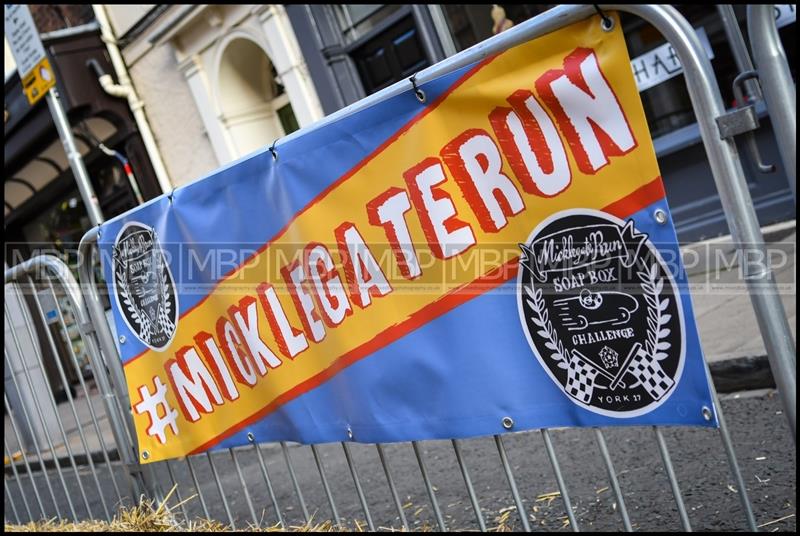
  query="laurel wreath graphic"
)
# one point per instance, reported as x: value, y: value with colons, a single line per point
x: 546, y: 329
x: 165, y: 324
x: 141, y: 320
x: 652, y: 285
x: 164, y: 321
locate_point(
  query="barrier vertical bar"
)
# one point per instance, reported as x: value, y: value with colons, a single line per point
x: 197, y: 487
x: 731, y: 455
x: 13, y: 465
x: 776, y: 81
x: 673, y: 480
x: 25, y: 461
x: 392, y: 488
x: 17, y: 519
x: 177, y: 490
x: 359, y: 491
x: 244, y: 487
x: 218, y: 482
x: 429, y: 487
x: 612, y: 476
x: 523, y: 514
x: 285, y: 450
x: 468, y: 482
x: 265, y: 474
x: 325, y: 486
x: 562, y: 486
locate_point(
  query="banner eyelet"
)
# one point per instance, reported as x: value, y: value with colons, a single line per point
x: 606, y: 22
x: 417, y: 90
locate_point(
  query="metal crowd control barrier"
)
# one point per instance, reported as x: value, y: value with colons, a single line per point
x: 776, y: 80
x: 55, y: 379
x: 392, y: 484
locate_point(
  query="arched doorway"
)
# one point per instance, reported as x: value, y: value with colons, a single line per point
x: 253, y: 103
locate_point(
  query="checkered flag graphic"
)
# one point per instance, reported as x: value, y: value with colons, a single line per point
x: 580, y: 378
x: 650, y: 373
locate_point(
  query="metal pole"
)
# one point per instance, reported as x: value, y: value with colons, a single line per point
x: 739, y: 48
x: 244, y: 487
x: 285, y: 450
x: 74, y: 157
x: 265, y: 474
x: 27, y: 465
x: 523, y: 514
x: 197, y: 487
x: 468, y: 482
x: 359, y: 490
x: 17, y: 519
x: 22, y: 493
x: 733, y: 190
x: 325, y: 486
x: 562, y: 486
x: 392, y: 488
x: 779, y: 89
x: 612, y: 476
x: 429, y: 487
x: 731, y: 455
x: 177, y: 490
x: 673, y: 480
x: 219, y: 488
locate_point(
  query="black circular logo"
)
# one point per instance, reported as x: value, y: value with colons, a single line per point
x: 144, y: 287
x: 601, y: 312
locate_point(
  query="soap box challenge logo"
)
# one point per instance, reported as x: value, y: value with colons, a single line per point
x: 601, y: 312
x: 144, y: 287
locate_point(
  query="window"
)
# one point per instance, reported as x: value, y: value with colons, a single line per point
x: 355, y: 20
x: 470, y: 24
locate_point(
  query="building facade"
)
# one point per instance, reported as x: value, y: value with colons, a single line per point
x: 219, y: 81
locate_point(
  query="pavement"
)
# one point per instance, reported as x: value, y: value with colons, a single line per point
x: 726, y: 321
x: 737, y: 358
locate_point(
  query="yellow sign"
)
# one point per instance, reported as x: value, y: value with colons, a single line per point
x: 39, y: 81
x: 26, y: 46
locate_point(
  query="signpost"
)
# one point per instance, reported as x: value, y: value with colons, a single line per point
x: 38, y: 80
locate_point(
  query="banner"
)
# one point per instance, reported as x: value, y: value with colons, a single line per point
x: 498, y: 257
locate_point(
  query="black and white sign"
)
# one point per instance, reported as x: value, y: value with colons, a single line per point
x: 23, y: 38
x: 144, y: 287
x: 662, y: 63
x: 601, y: 312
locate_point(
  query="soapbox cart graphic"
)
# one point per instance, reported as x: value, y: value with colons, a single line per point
x: 601, y: 312
x: 144, y: 287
